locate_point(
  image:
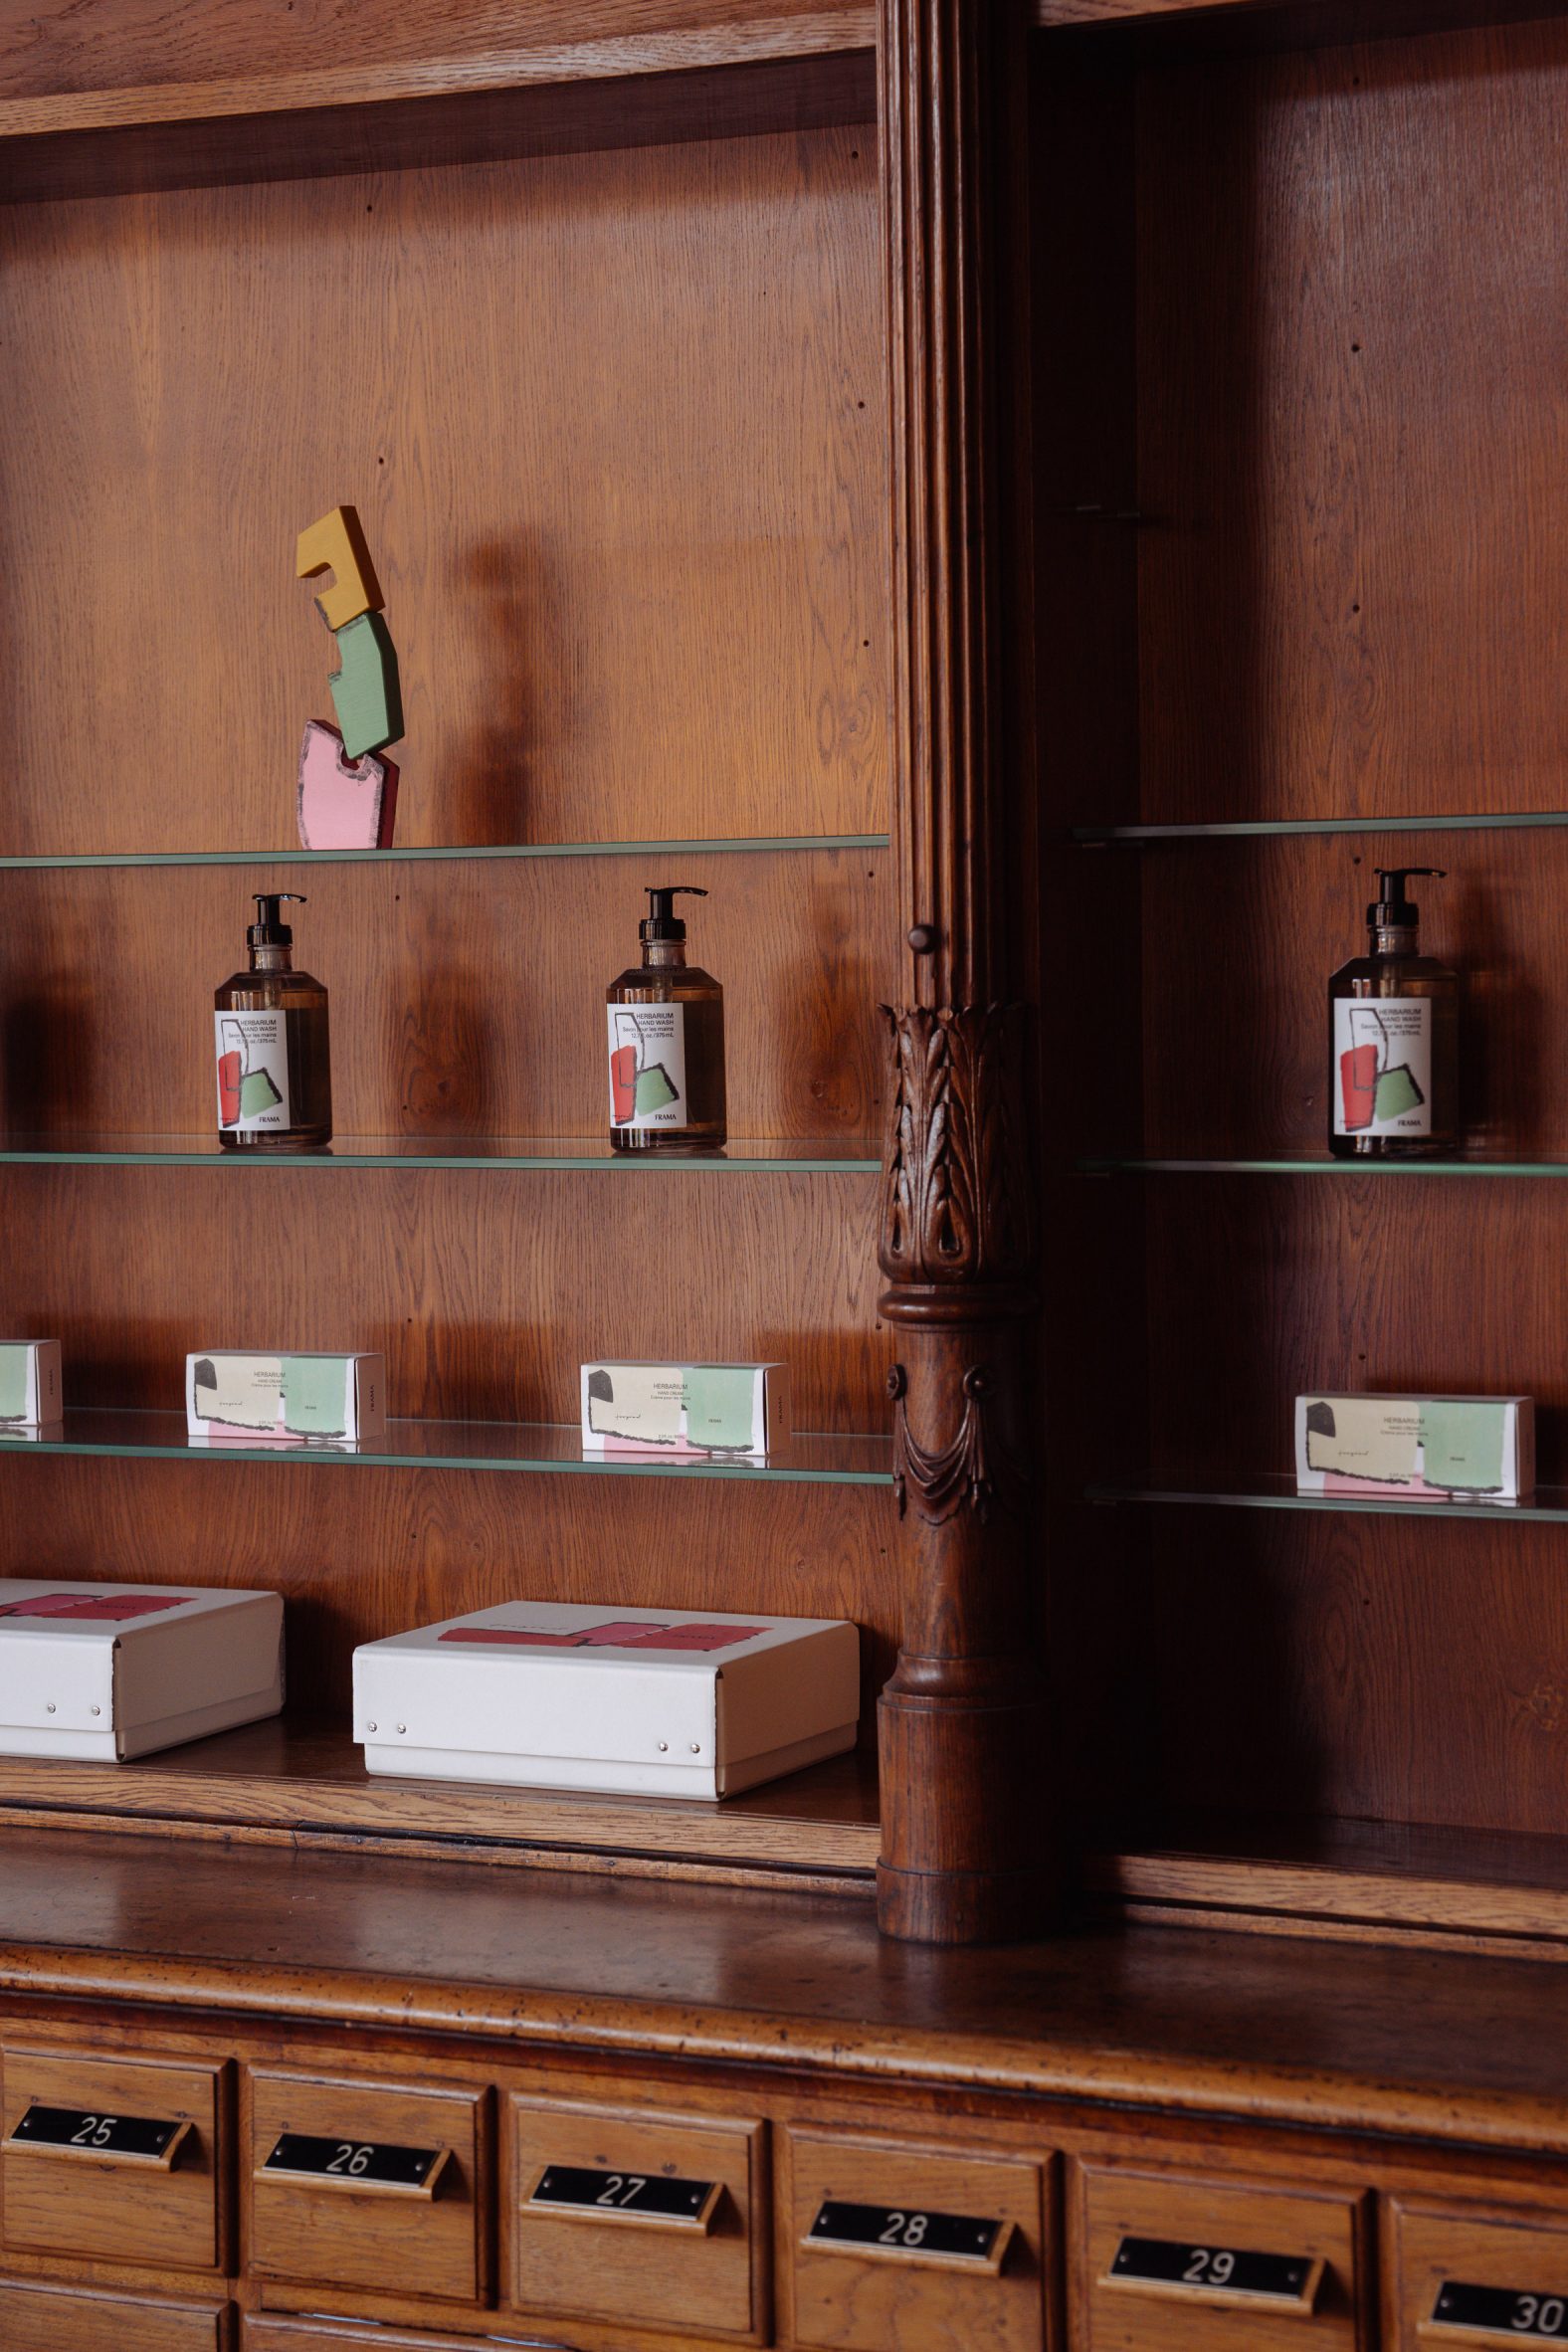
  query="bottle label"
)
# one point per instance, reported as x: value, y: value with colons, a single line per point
x: 647, y: 1079
x: 253, y: 1072
x: 1383, y: 1066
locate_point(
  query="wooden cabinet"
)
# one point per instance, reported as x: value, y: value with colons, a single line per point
x: 1172, y: 2262
x: 34, y: 2318
x: 1471, y: 2276
x: 625, y: 2213
x: 870, y: 2238
x: 112, y: 2158
x: 374, y: 2186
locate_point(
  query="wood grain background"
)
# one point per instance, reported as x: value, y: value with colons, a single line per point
x: 1350, y: 600
x: 1354, y: 438
x: 614, y: 424
x: 467, y: 997
x: 361, y: 1553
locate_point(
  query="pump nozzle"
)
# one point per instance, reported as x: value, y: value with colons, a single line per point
x: 270, y: 930
x: 661, y: 920
x: 1392, y: 911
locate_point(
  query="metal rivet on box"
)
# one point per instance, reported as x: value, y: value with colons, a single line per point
x: 50, y: 1709
x: 697, y: 1748
x: 402, y: 1727
x: 98, y: 1710
x: 370, y: 1727
x: 664, y: 1747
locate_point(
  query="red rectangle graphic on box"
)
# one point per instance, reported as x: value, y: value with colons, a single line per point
x: 612, y: 1636
x: 103, y: 1608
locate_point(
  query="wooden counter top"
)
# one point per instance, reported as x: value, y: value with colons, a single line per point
x: 1261, y: 2027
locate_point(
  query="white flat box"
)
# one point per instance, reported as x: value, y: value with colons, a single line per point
x: 100, y: 1673
x: 237, y: 1394
x: 551, y: 1695
x: 1415, y: 1449
x: 29, y: 1383
x: 693, y: 1411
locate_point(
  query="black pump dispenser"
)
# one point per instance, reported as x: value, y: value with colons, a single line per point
x: 660, y: 922
x: 1392, y: 911
x: 270, y: 930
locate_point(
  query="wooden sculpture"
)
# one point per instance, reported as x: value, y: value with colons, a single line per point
x: 347, y: 797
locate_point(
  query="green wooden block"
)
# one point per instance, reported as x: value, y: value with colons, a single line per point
x: 366, y: 693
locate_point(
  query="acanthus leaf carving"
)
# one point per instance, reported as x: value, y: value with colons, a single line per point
x: 956, y: 1205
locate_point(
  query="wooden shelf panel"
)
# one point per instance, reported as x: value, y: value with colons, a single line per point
x: 93, y: 69
x: 1374, y: 1879
x: 300, y: 1779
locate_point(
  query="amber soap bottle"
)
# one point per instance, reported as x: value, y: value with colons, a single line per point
x: 1393, y: 1037
x: 274, y: 1061
x: 667, y: 1041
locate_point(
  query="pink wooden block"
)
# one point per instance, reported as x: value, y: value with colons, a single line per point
x: 344, y: 804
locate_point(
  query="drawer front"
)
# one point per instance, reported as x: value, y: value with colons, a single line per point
x: 366, y: 2185
x: 110, y: 2158
x: 623, y: 2213
x: 269, y: 2334
x: 894, y: 2248
x: 1165, y: 2263
x: 57, y: 2319
x: 1468, y: 2279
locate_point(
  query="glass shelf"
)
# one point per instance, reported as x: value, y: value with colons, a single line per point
x: 1322, y: 1164
x: 455, y: 1445
x: 1102, y: 836
x: 854, y: 1156
x: 1279, y: 1494
x: 411, y: 857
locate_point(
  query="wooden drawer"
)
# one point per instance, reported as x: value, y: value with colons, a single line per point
x: 1165, y: 2263
x: 1465, y: 2277
x: 903, y: 2290
x: 625, y: 2213
x: 62, y: 2319
x: 100, y: 2191
x: 396, y: 2210
x: 269, y: 2334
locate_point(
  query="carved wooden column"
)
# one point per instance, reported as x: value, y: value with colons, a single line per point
x: 964, y: 1767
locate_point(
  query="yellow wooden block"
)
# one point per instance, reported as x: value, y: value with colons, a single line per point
x: 337, y: 544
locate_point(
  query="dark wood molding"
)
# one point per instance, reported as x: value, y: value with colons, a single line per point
x: 961, y: 1723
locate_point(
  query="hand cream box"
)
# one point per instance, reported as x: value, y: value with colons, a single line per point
x: 100, y: 1673
x: 636, y: 1702
x: 29, y: 1383
x: 688, y: 1410
x: 1432, y: 1448
x: 286, y: 1399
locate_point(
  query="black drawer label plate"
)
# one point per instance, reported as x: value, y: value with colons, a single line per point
x: 373, y: 2162
x: 907, y: 2229
x: 661, y: 2195
x: 1166, y: 2261
x: 97, y: 2134
x: 1529, y: 2318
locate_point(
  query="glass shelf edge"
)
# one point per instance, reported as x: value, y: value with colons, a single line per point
x: 1322, y: 1167
x: 805, y: 1162
x: 758, y: 845
x: 153, y: 1447
x: 1100, y: 837
x: 1381, y: 1507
